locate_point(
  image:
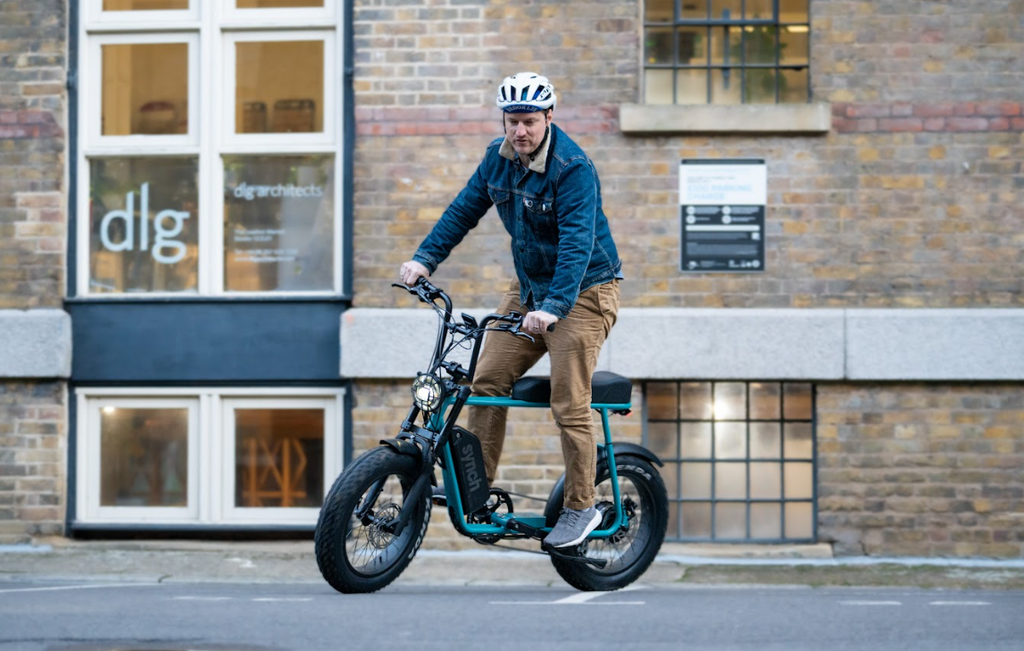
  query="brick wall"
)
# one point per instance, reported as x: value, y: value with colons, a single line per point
x: 921, y: 470
x: 33, y: 459
x: 911, y: 201
x: 32, y: 145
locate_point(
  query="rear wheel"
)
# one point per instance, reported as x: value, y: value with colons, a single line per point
x: 630, y: 551
x: 356, y: 548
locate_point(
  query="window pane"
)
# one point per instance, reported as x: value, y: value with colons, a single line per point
x: 799, y: 520
x: 799, y: 441
x: 658, y: 45
x: 285, y: 81
x: 659, y: 11
x: 730, y: 400
x: 143, y: 457
x: 693, y: 86
x: 279, y: 457
x: 764, y: 400
x: 793, y: 86
x: 727, y: 9
x: 765, y: 481
x: 694, y: 9
x: 662, y: 403
x: 759, y: 45
x: 730, y: 440
x: 730, y: 521
x: 670, y: 475
x: 731, y: 481
x: 658, y: 86
x: 793, y: 11
x: 760, y: 84
x: 267, y: 4
x: 725, y: 45
x: 145, y: 89
x: 661, y: 439
x: 672, y: 530
x: 799, y: 480
x: 759, y: 9
x: 696, y: 480
x: 696, y: 440
x: 793, y: 45
x: 695, y: 400
x: 696, y: 520
x: 693, y: 46
x: 765, y: 521
x: 765, y: 440
x: 797, y: 400
x: 144, y: 5
x: 278, y: 223
x: 143, y: 225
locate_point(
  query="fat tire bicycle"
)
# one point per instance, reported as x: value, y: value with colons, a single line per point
x: 376, y: 513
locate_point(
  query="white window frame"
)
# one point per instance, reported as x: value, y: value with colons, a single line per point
x: 232, y: 16
x: 92, y: 96
x: 211, y: 85
x: 262, y: 142
x: 249, y: 514
x: 133, y: 18
x: 89, y: 483
x: 210, y: 449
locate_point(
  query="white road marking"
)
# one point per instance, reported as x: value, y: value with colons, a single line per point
x: 283, y: 599
x: 578, y: 599
x: 871, y: 603
x: 78, y: 587
x: 959, y: 603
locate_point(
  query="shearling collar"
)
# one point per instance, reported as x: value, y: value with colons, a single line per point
x: 540, y: 159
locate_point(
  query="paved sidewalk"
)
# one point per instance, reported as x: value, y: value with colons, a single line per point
x: 61, y: 559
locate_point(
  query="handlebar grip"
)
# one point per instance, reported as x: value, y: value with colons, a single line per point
x: 551, y: 328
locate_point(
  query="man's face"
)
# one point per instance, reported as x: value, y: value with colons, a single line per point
x: 526, y: 130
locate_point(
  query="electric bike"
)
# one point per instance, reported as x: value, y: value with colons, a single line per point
x: 375, y: 515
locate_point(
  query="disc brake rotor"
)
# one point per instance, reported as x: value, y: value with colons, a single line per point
x: 375, y: 533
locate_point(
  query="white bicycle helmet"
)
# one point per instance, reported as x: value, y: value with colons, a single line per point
x: 526, y: 92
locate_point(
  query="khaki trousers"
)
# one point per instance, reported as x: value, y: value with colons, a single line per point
x: 573, y: 348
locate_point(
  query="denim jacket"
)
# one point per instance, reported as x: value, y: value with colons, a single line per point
x: 561, y: 244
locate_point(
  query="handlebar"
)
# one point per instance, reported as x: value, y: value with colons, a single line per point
x: 429, y: 293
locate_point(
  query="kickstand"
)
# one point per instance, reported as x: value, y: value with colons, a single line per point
x: 574, y: 554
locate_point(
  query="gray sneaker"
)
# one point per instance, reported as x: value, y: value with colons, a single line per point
x: 573, y: 527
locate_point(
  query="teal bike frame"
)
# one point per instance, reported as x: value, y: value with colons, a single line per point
x: 502, y: 520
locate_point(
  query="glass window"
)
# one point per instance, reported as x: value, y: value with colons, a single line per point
x: 726, y: 52
x: 269, y: 4
x: 279, y: 456
x: 144, y: 89
x: 158, y: 111
x: 739, y: 455
x: 144, y: 5
x: 279, y: 86
x: 278, y: 223
x: 206, y: 454
x: 143, y: 457
x: 143, y: 227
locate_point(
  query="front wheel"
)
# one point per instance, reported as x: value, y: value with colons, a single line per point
x: 630, y: 551
x: 355, y: 549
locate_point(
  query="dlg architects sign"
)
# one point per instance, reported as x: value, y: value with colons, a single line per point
x: 722, y: 206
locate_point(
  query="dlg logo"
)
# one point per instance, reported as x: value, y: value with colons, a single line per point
x: 161, y: 242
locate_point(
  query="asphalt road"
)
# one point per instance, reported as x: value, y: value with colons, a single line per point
x: 98, y: 616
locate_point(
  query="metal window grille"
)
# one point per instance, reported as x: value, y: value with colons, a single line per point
x: 740, y: 459
x: 726, y: 51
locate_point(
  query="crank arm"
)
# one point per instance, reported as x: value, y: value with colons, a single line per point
x: 576, y: 558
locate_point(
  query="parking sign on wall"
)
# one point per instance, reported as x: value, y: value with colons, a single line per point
x: 722, y: 206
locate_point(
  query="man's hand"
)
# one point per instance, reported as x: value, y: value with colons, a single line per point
x: 537, y: 322
x: 412, y: 271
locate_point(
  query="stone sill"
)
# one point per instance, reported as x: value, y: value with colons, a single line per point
x: 796, y: 119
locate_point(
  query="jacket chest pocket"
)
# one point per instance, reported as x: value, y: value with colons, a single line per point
x: 500, y: 199
x: 540, y: 213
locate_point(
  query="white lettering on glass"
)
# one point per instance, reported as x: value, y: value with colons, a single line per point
x: 163, y: 235
x: 249, y: 192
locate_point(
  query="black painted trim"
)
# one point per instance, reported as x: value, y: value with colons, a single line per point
x: 71, y: 275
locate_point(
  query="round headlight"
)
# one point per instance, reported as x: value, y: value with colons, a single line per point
x: 427, y: 392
